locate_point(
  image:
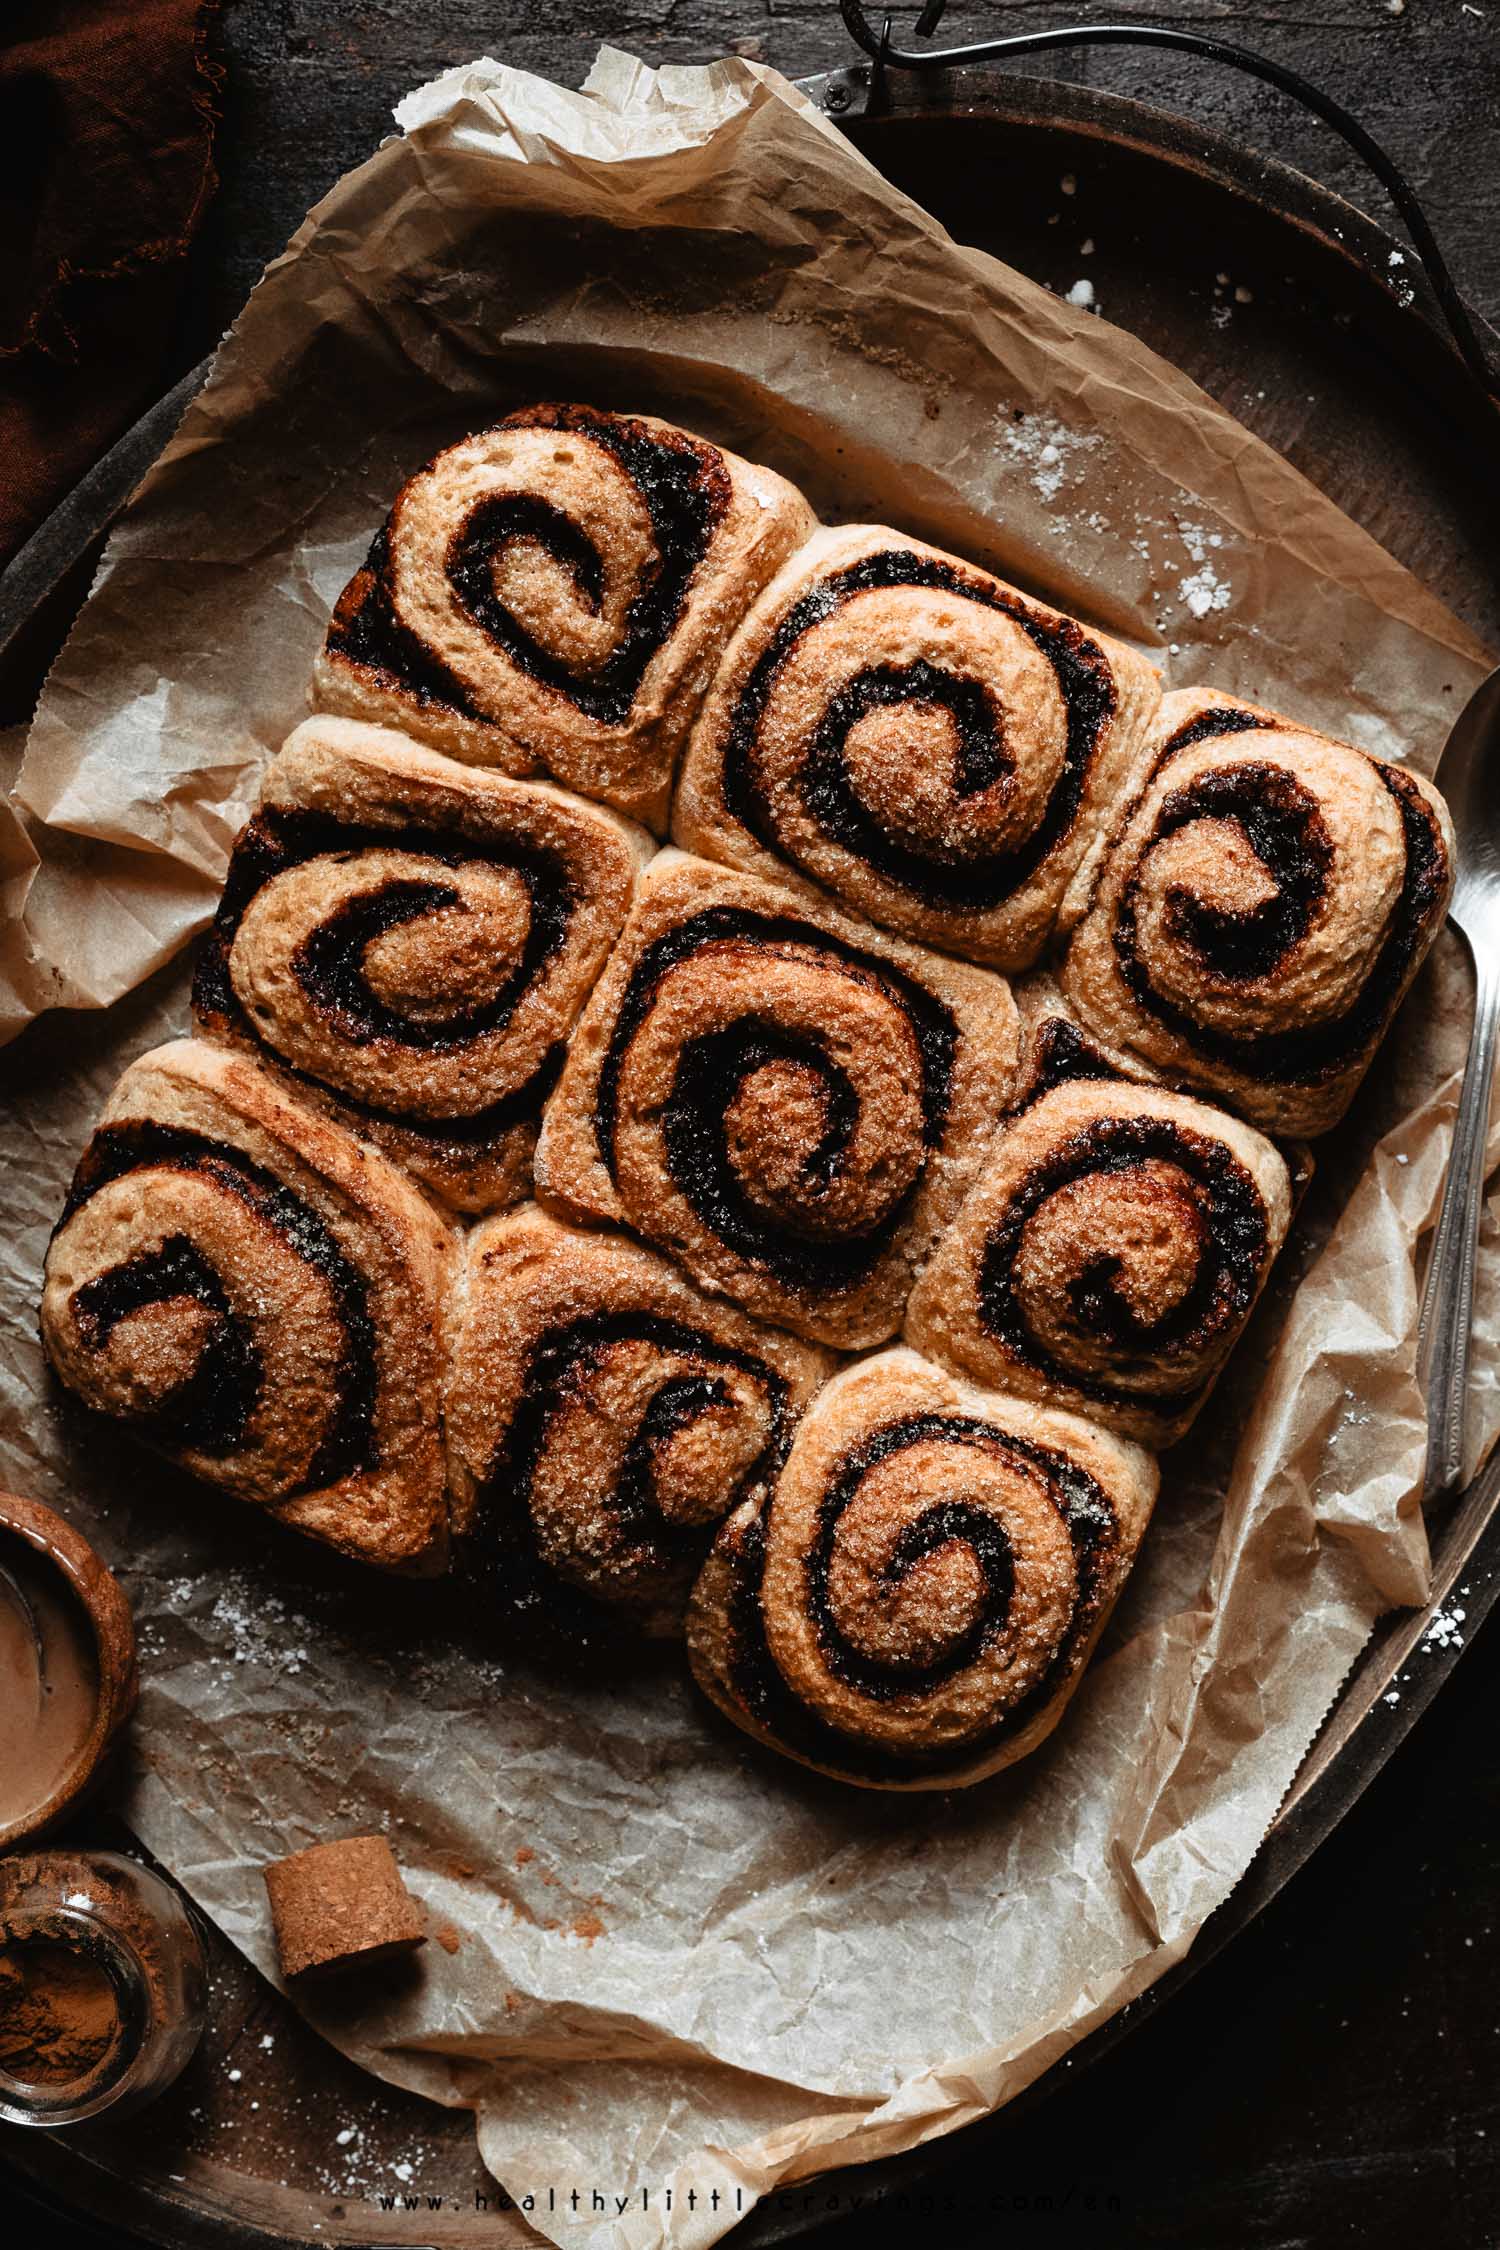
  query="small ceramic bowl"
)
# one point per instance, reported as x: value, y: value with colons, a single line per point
x: 108, y: 1612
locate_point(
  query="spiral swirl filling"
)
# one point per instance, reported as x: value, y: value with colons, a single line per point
x: 330, y: 963
x: 1285, y: 829
x: 685, y: 489
x: 367, y: 630
x: 209, y: 1410
x: 1193, y: 1189
x: 674, y: 1428
x: 1084, y: 1522
x: 801, y: 1242
x: 939, y: 873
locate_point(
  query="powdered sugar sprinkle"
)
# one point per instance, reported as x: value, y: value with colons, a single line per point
x: 1049, y: 449
x: 1205, y: 591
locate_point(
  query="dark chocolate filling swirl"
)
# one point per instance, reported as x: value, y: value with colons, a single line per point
x: 330, y: 967
x: 710, y: 1069
x: 211, y: 1411
x: 329, y: 964
x: 756, y: 1679
x: 947, y: 877
x: 367, y: 632
x: 502, y: 1549
x: 1289, y: 836
x: 1282, y: 822
x: 1230, y: 1247
x: 684, y: 486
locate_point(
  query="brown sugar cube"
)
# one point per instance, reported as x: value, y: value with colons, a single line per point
x: 341, y: 1903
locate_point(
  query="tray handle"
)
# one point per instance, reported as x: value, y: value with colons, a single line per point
x: 1424, y: 242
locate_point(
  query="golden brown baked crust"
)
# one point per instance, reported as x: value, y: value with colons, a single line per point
x: 412, y: 940
x: 914, y: 1605
x: 603, y: 1417
x: 552, y: 595
x: 1255, y: 923
x: 790, y: 1102
x: 933, y: 747
x: 263, y: 1298
x: 1108, y: 1256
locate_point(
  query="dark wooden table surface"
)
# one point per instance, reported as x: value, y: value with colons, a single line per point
x: 1334, y: 2078
x: 311, y: 83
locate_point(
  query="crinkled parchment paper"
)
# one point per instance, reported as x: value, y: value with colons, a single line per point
x: 682, y: 1961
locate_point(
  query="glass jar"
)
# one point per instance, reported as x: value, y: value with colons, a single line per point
x: 102, y: 1986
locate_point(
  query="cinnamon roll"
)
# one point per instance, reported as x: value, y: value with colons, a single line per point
x: 603, y: 1417
x: 553, y: 594
x: 935, y: 748
x: 790, y: 1102
x: 1108, y: 1256
x: 914, y: 1604
x: 411, y: 941
x: 263, y: 1298
x: 1269, y: 898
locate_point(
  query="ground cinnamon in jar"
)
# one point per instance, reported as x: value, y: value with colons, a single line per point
x: 102, y: 1985
x: 59, y: 2013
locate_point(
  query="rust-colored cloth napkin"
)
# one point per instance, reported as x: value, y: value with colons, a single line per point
x: 106, y: 166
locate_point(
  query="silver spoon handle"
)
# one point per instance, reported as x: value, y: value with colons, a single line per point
x: 1448, y: 1300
